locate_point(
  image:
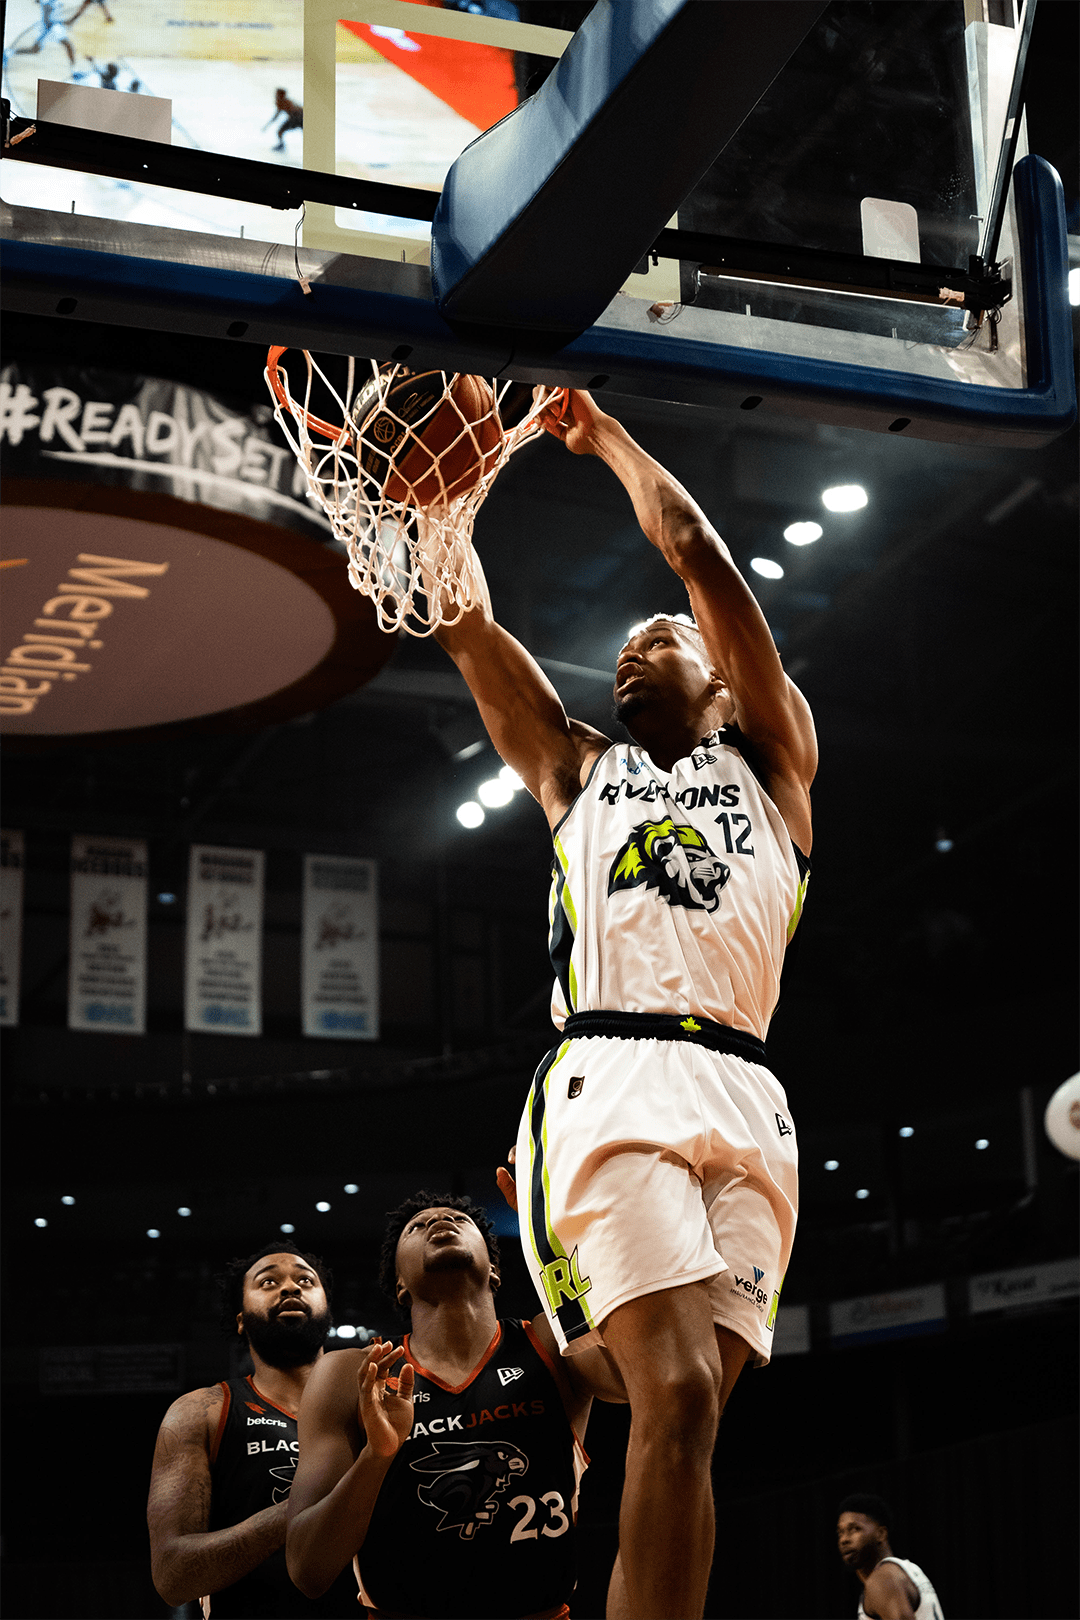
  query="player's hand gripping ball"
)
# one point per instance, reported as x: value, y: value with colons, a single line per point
x: 1062, y: 1118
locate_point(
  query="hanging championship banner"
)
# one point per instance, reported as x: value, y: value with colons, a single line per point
x: 11, y: 910
x: 223, y: 979
x: 340, y: 948
x: 107, y: 972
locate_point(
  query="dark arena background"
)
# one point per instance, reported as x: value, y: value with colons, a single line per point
x: 927, y: 1339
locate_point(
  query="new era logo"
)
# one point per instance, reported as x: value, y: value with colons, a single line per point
x: 508, y: 1374
x: 782, y: 1125
x: 758, y: 1274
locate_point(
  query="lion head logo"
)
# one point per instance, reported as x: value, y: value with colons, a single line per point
x: 673, y: 858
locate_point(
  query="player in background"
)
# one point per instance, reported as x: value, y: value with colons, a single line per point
x: 291, y: 114
x: 225, y: 1456
x: 656, y: 1160
x: 54, y: 27
x: 455, y: 1483
x: 892, y: 1588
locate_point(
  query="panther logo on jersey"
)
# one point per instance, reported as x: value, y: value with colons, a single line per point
x: 469, y: 1477
x: 673, y: 858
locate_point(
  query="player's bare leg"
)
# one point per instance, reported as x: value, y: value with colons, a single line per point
x: 733, y: 1352
x: 668, y: 1353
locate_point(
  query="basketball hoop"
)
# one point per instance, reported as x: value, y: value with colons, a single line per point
x: 402, y: 477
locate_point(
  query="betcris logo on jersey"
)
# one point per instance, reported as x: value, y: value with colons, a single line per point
x: 673, y: 858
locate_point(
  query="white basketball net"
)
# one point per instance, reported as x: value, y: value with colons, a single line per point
x: 414, y: 560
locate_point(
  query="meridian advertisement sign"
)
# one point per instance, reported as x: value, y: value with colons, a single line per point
x: 162, y: 562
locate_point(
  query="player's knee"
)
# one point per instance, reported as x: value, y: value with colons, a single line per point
x: 682, y: 1408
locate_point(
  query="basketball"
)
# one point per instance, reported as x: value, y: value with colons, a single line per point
x: 427, y: 439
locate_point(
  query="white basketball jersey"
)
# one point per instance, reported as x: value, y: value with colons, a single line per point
x: 928, y: 1607
x: 674, y: 892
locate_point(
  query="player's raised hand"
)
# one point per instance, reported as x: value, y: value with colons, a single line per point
x: 573, y: 416
x: 506, y: 1182
x: 386, y: 1412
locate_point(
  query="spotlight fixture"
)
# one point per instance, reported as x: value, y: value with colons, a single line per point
x: 287, y: 1228
x: 183, y: 1210
x: 766, y: 568
x: 511, y: 777
x: 803, y: 534
x: 844, y: 498
x: 907, y: 1130
x: 863, y: 1192
x: 982, y: 1143
x: 495, y: 793
x: 351, y: 1187
x: 152, y: 1231
x: 470, y: 814
x: 67, y: 1199
x: 40, y: 1221
x: 323, y: 1207
x: 832, y: 1164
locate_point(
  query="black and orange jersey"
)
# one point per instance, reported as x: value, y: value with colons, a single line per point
x: 476, y: 1514
x: 252, y: 1463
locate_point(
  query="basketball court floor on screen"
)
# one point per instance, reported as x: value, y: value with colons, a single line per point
x: 746, y: 219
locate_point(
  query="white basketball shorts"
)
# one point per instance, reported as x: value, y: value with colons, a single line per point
x: 645, y: 1164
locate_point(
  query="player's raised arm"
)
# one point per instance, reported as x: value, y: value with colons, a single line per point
x: 343, y: 1461
x: 187, y: 1559
x: 521, y: 709
x: 769, y: 709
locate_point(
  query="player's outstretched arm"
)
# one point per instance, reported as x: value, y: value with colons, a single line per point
x: 351, y: 1427
x: 187, y: 1560
x: 521, y: 709
x: 769, y: 708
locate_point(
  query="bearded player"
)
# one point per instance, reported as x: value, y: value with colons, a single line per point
x: 656, y: 1158
x: 225, y: 1456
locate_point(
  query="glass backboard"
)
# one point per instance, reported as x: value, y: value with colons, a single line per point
x: 881, y: 137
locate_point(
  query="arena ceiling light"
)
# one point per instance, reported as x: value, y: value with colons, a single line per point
x: 844, y: 498
x: 907, y: 1130
x: 351, y: 1187
x: 766, y: 568
x: 287, y: 1228
x: 863, y: 1192
x: 495, y: 793
x: 323, y: 1207
x: 511, y: 777
x: 67, y: 1199
x: 40, y: 1221
x: 345, y: 1330
x: 183, y: 1210
x: 470, y: 814
x: 803, y: 534
x: 1074, y: 287
x: 152, y: 1232
x: 982, y: 1144
x: 832, y: 1164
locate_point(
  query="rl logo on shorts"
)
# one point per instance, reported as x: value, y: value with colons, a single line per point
x: 562, y: 1280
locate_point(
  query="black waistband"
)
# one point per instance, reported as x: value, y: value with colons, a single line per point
x: 625, y: 1026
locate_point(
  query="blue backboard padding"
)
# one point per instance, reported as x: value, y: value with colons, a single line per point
x: 180, y: 298
x: 543, y: 217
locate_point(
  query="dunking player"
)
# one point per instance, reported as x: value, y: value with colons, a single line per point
x: 455, y: 1483
x: 225, y: 1456
x: 892, y: 1588
x: 656, y: 1154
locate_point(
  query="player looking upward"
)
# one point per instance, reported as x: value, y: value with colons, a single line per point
x: 892, y: 1588
x: 656, y: 1156
x: 455, y: 1483
x: 225, y: 1456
